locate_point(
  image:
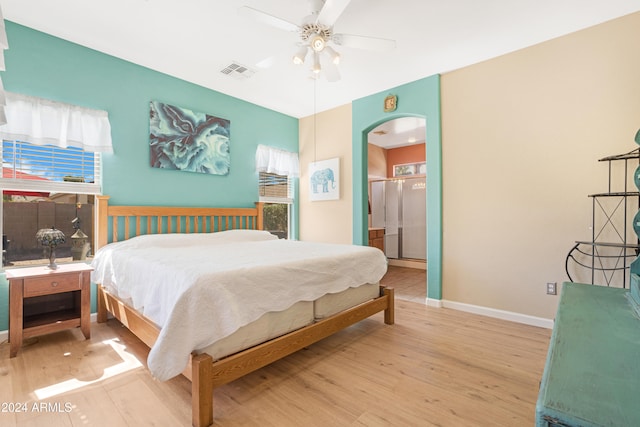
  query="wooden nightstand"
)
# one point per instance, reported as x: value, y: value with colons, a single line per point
x: 31, y: 311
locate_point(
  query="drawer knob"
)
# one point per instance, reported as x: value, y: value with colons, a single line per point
x: 54, y: 284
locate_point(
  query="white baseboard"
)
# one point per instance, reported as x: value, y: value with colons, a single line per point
x: 436, y: 303
x: 499, y: 314
x: 418, y: 264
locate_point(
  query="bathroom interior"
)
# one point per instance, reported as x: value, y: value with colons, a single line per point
x: 397, y: 191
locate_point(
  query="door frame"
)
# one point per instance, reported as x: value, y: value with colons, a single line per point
x: 417, y: 99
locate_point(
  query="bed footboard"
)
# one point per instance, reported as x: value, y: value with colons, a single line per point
x: 201, y: 390
x: 206, y: 374
x: 142, y: 327
x: 237, y: 365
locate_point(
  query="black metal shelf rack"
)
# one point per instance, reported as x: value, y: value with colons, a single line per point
x: 610, y: 259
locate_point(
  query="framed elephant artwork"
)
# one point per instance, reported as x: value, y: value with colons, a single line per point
x: 324, y: 180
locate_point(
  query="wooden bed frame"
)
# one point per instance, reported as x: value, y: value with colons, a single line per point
x: 205, y: 373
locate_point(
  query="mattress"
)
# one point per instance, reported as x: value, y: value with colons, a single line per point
x: 330, y: 304
x: 274, y: 324
x: 270, y: 325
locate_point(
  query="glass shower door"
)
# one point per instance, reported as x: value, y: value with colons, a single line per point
x: 400, y: 207
x: 393, y: 216
x: 414, y: 214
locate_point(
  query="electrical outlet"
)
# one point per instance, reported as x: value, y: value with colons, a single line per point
x: 551, y: 288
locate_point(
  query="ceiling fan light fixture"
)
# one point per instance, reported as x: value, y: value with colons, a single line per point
x: 317, y: 43
x: 300, y: 56
x: 316, y: 63
x: 333, y: 55
x: 316, y: 32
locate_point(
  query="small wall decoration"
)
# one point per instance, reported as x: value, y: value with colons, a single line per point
x: 185, y: 140
x: 324, y: 180
x: 410, y: 169
x: 390, y: 103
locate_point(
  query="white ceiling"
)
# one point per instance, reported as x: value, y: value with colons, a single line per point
x: 399, y: 132
x: 195, y: 39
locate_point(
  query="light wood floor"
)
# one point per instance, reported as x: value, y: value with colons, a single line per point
x: 436, y: 367
x: 410, y: 284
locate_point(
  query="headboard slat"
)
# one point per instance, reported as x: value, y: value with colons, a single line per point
x: 126, y: 228
x: 170, y: 220
x: 114, y: 226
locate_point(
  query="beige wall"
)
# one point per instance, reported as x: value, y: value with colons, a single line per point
x: 522, y: 134
x: 327, y: 221
x: 521, y: 138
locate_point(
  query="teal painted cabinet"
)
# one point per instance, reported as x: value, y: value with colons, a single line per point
x: 592, y: 373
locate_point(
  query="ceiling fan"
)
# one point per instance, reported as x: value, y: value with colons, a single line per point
x: 316, y: 34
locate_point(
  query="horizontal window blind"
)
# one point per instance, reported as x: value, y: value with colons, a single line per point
x: 30, y: 166
x: 275, y: 188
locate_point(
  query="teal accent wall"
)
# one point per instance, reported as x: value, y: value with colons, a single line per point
x: 48, y: 67
x: 420, y: 99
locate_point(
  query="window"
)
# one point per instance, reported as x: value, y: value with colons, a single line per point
x: 276, y: 169
x: 274, y: 187
x: 276, y: 191
x: 47, y: 167
x: 50, y: 172
x: 44, y: 186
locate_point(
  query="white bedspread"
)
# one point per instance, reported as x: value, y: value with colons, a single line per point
x: 199, y: 288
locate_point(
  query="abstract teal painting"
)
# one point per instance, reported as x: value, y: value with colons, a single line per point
x: 185, y: 140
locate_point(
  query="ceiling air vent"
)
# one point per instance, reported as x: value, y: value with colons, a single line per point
x: 237, y: 71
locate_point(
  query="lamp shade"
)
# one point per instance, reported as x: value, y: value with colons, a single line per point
x: 50, y: 237
x: 316, y: 63
x: 299, y: 57
x: 333, y: 55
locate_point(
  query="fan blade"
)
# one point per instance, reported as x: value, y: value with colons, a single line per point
x: 281, y: 56
x: 265, y: 18
x: 331, y: 11
x: 329, y: 69
x: 363, y: 42
x: 266, y: 62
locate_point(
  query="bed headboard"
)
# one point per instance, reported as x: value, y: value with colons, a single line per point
x: 123, y: 222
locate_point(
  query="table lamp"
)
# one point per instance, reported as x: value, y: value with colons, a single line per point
x: 50, y: 237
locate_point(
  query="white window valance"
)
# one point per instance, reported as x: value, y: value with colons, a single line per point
x: 45, y: 122
x: 273, y: 160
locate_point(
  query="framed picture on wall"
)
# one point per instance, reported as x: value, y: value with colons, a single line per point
x: 324, y: 180
x: 409, y: 169
x: 187, y: 140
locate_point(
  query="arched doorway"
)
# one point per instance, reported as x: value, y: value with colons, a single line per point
x: 418, y: 99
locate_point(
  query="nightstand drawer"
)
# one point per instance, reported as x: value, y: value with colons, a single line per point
x: 36, y: 286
